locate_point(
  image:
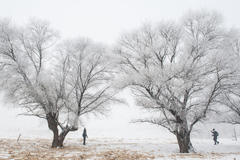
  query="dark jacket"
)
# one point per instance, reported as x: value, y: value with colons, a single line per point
x: 215, y: 134
x: 84, y: 133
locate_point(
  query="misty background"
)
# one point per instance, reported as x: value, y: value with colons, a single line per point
x: 103, y: 21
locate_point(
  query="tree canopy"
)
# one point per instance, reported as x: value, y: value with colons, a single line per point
x: 57, y: 81
x: 178, y: 70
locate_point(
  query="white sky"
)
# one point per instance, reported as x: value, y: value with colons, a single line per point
x: 103, y: 20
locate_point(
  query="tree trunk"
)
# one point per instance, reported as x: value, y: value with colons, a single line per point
x: 184, y: 142
x: 53, y: 126
x: 62, y: 136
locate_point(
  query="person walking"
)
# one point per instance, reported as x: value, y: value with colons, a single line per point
x: 84, y: 135
x: 215, y: 135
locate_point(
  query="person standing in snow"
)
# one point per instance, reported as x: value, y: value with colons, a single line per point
x: 215, y: 135
x: 84, y: 135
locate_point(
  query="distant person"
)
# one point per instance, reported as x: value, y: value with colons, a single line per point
x: 215, y: 135
x: 84, y: 135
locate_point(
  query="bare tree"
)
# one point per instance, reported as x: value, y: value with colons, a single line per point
x: 84, y: 78
x: 177, y: 71
x: 230, y: 100
x: 60, y: 88
x: 23, y: 52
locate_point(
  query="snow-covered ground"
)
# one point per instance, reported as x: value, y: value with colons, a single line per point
x: 117, y: 148
x: 111, y: 138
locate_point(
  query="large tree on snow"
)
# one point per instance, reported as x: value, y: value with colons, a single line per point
x: 177, y: 70
x: 83, y: 78
x: 59, y: 87
x: 230, y: 100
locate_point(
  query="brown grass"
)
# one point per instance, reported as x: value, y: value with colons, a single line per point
x: 35, y: 149
x: 40, y: 149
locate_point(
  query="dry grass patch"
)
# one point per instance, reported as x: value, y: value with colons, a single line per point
x: 123, y: 155
x: 96, y: 149
x: 33, y: 149
x: 211, y: 155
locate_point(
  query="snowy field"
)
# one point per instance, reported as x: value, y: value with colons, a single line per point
x: 112, y: 138
x: 116, y: 148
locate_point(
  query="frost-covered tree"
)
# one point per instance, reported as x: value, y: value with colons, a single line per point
x: 83, y: 79
x: 23, y: 56
x: 58, y: 87
x: 177, y: 70
x: 230, y: 100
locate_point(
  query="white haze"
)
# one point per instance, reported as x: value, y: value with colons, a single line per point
x: 103, y: 21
